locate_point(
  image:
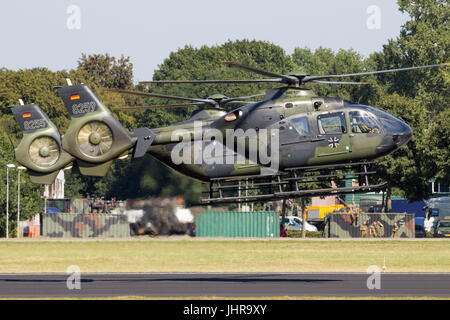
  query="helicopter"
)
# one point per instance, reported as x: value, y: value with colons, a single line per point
x: 289, y: 138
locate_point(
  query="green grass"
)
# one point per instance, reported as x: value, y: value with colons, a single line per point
x: 202, y: 255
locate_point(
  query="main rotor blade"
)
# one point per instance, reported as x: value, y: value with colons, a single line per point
x: 338, y: 82
x: 248, y: 97
x: 209, y: 81
x: 286, y: 78
x: 311, y: 78
x: 228, y: 100
x: 237, y: 101
x: 157, y: 95
x: 159, y: 106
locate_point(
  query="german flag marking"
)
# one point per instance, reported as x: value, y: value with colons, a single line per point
x: 75, y: 97
x: 26, y: 115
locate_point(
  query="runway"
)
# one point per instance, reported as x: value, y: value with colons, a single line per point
x: 224, y: 285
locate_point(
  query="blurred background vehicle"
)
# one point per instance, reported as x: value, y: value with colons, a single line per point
x: 442, y: 228
x: 295, y: 224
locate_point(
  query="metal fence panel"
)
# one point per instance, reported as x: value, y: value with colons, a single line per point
x: 370, y: 225
x: 69, y: 225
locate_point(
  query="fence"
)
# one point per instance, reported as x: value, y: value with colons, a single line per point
x: 370, y: 225
x: 68, y: 225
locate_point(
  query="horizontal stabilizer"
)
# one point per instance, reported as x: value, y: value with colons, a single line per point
x: 145, y: 138
x: 94, y: 169
x: 43, y: 178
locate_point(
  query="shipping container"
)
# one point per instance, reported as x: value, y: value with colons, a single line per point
x: 264, y: 224
x: 69, y: 225
x: 370, y: 225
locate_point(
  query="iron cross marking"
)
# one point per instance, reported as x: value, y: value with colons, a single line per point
x: 333, y: 142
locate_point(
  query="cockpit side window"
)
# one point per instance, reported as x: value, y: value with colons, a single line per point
x: 333, y: 123
x: 362, y: 122
x: 301, y: 125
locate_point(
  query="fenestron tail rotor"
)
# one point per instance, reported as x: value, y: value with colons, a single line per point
x: 44, y: 151
x: 295, y: 78
x: 95, y: 139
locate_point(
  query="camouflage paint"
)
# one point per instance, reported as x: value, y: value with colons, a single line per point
x: 277, y: 109
x: 275, y: 112
x: 85, y: 205
x: 72, y: 225
x: 369, y: 225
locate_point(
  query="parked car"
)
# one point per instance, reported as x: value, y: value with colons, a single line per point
x: 295, y: 223
x: 442, y: 228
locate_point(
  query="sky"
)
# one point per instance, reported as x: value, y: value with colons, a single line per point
x: 54, y: 33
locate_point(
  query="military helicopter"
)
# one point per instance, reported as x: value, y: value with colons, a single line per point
x: 289, y: 138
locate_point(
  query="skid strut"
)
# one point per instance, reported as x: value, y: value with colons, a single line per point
x: 292, y: 183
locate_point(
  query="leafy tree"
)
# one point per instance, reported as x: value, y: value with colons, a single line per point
x: 404, y: 169
x: 107, y: 71
x: 324, y: 61
x: 207, y: 63
x: 417, y: 95
x: 424, y: 39
x: 436, y: 147
x: 30, y: 203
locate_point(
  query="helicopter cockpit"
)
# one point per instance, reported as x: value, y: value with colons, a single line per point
x: 391, y: 124
x: 363, y: 122
x: 370, y: 120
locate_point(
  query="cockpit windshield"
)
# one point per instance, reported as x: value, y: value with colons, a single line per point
x: 390, y: 123
x: 363, y: 122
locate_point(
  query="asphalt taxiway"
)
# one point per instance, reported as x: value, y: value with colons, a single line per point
x: 225, y: 285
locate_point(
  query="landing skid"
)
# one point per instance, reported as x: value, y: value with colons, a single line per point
x: 293, y: 183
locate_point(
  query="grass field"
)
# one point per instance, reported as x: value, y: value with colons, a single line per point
x: 223, y: 256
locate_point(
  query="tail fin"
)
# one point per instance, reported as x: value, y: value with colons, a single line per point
x: 95, y: 137
x: 40, y: 149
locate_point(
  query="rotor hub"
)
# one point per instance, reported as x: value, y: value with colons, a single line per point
x: 95, y: 138
x: 44, y: 152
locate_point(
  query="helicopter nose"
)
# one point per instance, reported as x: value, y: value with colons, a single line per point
x: 398, y: 130
x: 398, y: 133
x: 401, y: 133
